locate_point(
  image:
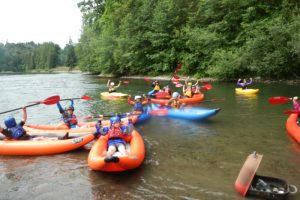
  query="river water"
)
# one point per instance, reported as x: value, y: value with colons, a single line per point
x: 184, y: 160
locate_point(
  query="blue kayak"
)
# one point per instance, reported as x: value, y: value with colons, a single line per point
x: 190, y: 113
x: 143, y: 117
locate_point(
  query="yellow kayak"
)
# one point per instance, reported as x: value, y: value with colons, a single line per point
x: 113, y: 95
x: 246, y: 91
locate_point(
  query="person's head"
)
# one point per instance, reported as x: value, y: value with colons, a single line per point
x: 112, y: 83
x: 138, y: 98
x: 295, y: 98
x: 115, y: 121
x: 156, y: 82
x: 70, y: 109
x: 10, y: 122
x: 244, y: 80
x: 190, y: 83
x: 175, y: 95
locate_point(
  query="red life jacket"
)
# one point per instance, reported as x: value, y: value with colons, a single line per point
x: 116, y: 133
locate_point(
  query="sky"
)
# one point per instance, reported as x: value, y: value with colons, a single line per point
x: 40, y: 21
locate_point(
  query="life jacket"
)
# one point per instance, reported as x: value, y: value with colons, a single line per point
x: 175, y: 103
x: 156, y: 87
x: 116, y: 133
x: 17, y: 132
x: 112, y: 89
x: 138, y: 106
x: 70, y: 120
x: 188, y: 92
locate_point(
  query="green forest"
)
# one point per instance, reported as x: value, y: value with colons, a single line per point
x: 222, y: 39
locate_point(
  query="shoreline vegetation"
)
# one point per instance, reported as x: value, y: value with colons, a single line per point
x: 76, y: 70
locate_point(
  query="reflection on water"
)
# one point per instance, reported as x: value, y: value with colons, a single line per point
x: 184, y: 160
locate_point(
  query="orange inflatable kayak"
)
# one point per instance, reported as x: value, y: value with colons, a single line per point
x: 292, y: 127
x: 134, y: 159
x: 195, y: 99
x: 61, y: 129
x: 42, y: 147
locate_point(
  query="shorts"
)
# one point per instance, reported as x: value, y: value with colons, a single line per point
x: 116, y: 141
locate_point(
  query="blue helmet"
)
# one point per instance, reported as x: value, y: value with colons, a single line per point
x: 114, y: 120
x: 175, y: 95
x: 10, y: 122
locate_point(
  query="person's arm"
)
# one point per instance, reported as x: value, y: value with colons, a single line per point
x: 5, y: 132
x: 183, y: 89
x: 72, y: 103
x: 61, y: 110
x: 197, y: 83
x: 145, y: 100
x: 24, y: 114
x: 250, y: 81
x: 129, y: 101
x: 118, y: 84
x: 186, y: 80
x: 107, y: 84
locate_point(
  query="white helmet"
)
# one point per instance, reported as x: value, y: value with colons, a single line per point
x: 137, y: 97
x: 112, y: 83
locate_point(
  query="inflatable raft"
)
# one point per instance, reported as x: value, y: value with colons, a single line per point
x: 135, y: 157
x: 42, y: 147
x: 197, y: 98
x: 61, y: 129
x: 113, y: 95
x: 191, y: 113
x: 292, y: 127
x: 246, y: 91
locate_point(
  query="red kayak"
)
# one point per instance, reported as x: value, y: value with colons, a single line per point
x: 292, y: 127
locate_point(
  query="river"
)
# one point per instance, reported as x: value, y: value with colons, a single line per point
x: 184, y: 160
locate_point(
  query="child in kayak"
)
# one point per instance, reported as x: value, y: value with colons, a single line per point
x: 68, y: 116
x: 245, y: 83
x: 13, y: 130
x: 111, y: 86
x: 138, y: 104
x: 296, y: 106
x: 174, y: 101
x: 117, y: 137
x: 156, y: 88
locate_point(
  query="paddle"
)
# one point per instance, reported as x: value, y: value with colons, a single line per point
x: 147, y: 79
x: 85, y: 97
x: 279, y: 100
x: 125, y: 82
x: 207, y: 86
x: 49, y: 101
x: 288, y: 112
x: 108, y: 115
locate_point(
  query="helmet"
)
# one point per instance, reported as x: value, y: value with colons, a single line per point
x: 175, y: 95
x: 295, y: 98
x: 114, y: 120
x: 137, y: 97
x: 70, y: 108
x: 112, y: 83
x: 10, y: 122
x: 190, y: 84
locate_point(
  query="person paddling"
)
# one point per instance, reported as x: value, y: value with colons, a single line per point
x: 68, y: 116
x: 244, y: 84
x: 138, y: 104
x: 174, y: 101
x: 13, y: 130
x: 111, y: 86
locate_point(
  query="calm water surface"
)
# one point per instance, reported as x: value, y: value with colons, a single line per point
x: 185, y: 160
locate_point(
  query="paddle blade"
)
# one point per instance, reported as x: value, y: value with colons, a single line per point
x: 288, y: 112
x: 279, y: 100
x: 176, y: 77
x: 178, y: 67
x: 147, y: 79
x: 125, y: 82
x: 86, y: 97
x: 206, y: 87
x: 51, y: 100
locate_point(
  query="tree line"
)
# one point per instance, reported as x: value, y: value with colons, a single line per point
x: 22, y: 57
x: 216, y: 38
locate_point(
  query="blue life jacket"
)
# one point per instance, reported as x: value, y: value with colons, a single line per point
x: 17, y: 132
x: 138, y: 106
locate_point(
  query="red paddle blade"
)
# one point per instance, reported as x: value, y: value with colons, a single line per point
x: 278, y: 100
x: 207, y: 86
x: 178, y: 67
x: 147, y: 79
x: 176, y: 77
x: 86, y: 97
x: 125, y: 82
x: 288, y: 112
x: 51, y: 100
x: 178, y: 85
x: 88, y: 117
